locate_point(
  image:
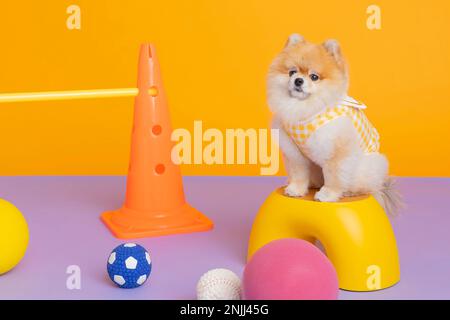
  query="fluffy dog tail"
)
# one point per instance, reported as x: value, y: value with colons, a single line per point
x: 389, y: 197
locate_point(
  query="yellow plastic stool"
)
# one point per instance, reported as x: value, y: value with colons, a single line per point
x: 355, y: 232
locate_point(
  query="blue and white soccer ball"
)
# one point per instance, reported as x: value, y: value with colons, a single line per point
x: 129, y: 265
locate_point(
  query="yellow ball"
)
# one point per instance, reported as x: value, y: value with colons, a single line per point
x: 13, y: 236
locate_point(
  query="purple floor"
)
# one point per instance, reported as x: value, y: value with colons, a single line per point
x: 63, y: 216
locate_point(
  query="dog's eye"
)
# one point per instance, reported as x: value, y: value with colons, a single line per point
x: 314, y: 77
x: 292, y: 72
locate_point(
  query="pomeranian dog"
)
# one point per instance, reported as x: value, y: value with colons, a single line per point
x: 325, y: 138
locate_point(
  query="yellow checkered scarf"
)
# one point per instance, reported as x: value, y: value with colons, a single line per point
x: 349, y: 107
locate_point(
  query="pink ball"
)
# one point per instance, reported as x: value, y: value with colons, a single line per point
x: 290, y: 269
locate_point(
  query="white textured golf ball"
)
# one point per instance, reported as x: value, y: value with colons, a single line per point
x: 219, y: 284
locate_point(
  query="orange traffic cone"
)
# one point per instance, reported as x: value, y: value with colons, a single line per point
x: 155, y: 203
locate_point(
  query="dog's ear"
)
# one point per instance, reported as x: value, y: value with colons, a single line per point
x: 294, y: 39
x: 333, y: 48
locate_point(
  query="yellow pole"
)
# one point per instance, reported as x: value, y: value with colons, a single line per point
x: 71, y: 95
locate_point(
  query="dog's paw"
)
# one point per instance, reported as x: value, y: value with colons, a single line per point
x: 327, y: 195
x: 295, y: 189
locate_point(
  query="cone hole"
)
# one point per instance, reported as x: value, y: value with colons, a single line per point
x: 153, y: 91
x: 160, y: 168
x: 156, y: 130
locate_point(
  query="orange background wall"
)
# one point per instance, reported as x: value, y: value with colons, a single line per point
x: 214, y: 56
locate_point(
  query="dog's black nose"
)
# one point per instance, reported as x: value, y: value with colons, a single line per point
x: 299, y: 82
